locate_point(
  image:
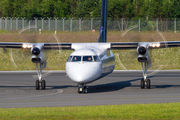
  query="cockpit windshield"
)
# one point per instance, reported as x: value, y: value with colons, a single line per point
x: 87, y: 58
x: 84, y: 58
x: 69, y: 59
x: 76, y: 58
x: 96, y: 58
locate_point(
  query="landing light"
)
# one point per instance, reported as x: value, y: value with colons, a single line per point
x: 26, y: 45
x: 155, y: 45
x: 158, y: 45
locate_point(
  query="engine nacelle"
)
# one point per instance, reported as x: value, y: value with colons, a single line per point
x: 38, y: 54
x: 144, y: 54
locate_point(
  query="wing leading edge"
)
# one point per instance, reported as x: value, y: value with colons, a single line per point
x: 152, y: 45
x: 48, y: 46
x: 10, y: 45
x: 56, y: 46
x: 113, y: 46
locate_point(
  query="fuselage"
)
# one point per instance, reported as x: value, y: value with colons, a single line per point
x: 89, y: 63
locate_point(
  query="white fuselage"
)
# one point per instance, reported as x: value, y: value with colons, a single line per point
x: 89, y: 63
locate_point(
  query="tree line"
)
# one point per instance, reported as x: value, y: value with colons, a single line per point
x: 90, y: 8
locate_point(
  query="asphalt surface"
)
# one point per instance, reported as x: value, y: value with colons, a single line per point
x: 122, y: 87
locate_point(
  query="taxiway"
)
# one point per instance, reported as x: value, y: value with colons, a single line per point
x: 17, y: 89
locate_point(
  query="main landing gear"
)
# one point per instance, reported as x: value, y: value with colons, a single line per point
x: 145, y: 82
x: 40, y: 83
x: 82, y: 88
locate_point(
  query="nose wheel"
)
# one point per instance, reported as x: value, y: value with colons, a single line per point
x: 82, y: 89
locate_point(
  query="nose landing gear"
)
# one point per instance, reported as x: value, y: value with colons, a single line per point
x: 82, y: 88
x: 145, y: 81
x: 40, y: 83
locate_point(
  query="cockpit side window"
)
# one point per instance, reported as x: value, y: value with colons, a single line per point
x: 87, y: 58
x: 76, y: 58
x: 96, y: 58
x: 69, y: 59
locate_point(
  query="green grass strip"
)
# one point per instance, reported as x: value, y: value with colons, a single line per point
x: 165, y: 111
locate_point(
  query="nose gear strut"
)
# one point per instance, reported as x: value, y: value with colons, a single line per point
x: 40, y: 83
x: 145, y: 81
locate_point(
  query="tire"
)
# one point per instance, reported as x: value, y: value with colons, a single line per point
x: 148, y: 84
x: 142, y: 84
x: 37, y: 84
x: 43, y: 85
x: 79, y: 90
x: 85, y: 90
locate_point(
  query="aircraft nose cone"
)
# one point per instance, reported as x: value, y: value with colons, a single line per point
x: 83, y: 72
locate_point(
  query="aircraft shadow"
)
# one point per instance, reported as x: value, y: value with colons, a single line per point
x: 61, y: 87
x: 109, y: 87
x: 163, y: 86
x: 115, y: 86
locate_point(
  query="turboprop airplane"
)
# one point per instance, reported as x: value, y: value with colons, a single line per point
x: 91, y: 61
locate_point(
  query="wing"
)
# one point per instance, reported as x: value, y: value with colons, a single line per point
x: 152, y: 45
x: 48, y: 46
x: 165, y: 44
x: 10, y: 45
x: 113, y: 46
x: 124, y: 45
x: 56, y: 46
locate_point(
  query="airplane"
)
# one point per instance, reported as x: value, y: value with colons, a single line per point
x: 91, y: 61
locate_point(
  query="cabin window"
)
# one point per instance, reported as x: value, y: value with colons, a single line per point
x: 69, y: 59
x: 76, y: 58
x: 87, y: 58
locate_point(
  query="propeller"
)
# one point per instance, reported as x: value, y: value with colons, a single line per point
x: 128, y: 58
x: 21, y: 59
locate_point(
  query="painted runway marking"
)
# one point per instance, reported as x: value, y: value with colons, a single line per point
x: 59, y: 91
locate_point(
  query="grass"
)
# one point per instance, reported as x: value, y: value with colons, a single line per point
x: 164, y: 111
x: 125, y: 59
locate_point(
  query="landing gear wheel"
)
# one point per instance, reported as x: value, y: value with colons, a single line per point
x: 80, y: 90
x: 148, y: 84
x: 142, y: 84
x: 37, y: 84
x: 43, y: 85
x: 85, y: 90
